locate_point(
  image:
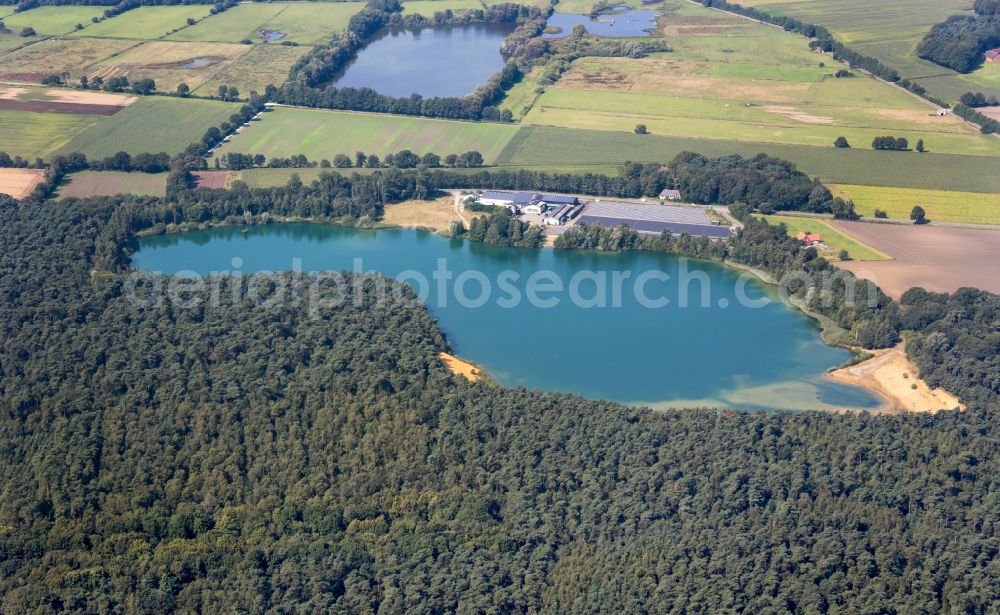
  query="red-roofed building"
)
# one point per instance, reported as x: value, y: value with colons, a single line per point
x: 993, y: 55
x: 808, y: 239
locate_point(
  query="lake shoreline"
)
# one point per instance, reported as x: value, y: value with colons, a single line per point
x: 759, y: 394
x: 827, y: 329
x: 891, y: 375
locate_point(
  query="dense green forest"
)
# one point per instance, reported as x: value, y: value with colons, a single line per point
x: 260, y: 459
x: 254, y: 459
x: 959, y: 41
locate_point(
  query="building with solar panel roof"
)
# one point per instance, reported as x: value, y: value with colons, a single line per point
x: 654, y: 219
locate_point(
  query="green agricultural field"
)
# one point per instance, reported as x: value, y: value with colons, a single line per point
x: 942, y: 205
x: 716, y: 119
x: 261, y: 66
x: 58, y: 56
x: 53, y: 20
x: 169, y: 63
x: 837, y: 240
x: 108, y: 183
x: 243, y: 21
x: 324, y: 134
x: 585, y: 6
x: 152, y: 124
x: 540, y: 146
x: 889, y: 31
x: 306, y: 23
x: 427, y: 8
x: 522, y: 95
x: 31, y: 135
x: 539, y: 3
x: 9, y: 42
x: 987, y: 76
x: 146, y: 22
x: 748, y: 82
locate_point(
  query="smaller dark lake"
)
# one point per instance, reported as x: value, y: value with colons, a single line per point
x: 617, y: 24
x: 436, y: 61
x: 272, y: 35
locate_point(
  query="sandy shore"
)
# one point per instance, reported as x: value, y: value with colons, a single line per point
x: 462, y: 368
x: 436, y: 215
x: 890, y: 374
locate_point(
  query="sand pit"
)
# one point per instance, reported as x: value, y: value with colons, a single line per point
x: 894, y: 377
x: 459, y: 367
x: 19, y: 183
x: 436, y: 215
x: 938, y: 258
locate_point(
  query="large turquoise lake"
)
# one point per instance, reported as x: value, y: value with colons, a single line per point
x: 738, y: 346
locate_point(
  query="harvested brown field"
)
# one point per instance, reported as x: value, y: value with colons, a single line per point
x: 436, y: 215
x: 42, y: 106
x: 19, y: 183
x: 212, y: 179
x: 57, y: 56
x: 77, y: 97
x: 795, y: 114
x: 699, y: 25
x: 938, y: 258
x: 993, y: 112
x: 674, y: 78
x: 578, y: 78
x: 694, y: 86
x: 170, y: 63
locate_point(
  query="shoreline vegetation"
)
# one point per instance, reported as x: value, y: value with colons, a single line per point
x: 878, y: 372
x: 886, y: 373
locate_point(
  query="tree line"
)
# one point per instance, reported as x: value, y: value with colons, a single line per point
x: 987, y: 125
x: 308, y: 81
x: 404, y: 159
x: 824, y: 40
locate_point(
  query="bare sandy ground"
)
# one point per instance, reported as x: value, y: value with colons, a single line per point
x: 79, y: 97
x: 993, y: 112
x: 19, y: 183
x: 894, y: 377
x: 459, y: 367
x: 938, y: 258
x: 437, y: 215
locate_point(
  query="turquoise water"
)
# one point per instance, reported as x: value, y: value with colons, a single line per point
x: 726, y: 354
x: 433, y: 61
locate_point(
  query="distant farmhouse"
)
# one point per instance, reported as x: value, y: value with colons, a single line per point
x: 809, y: 239
x: 670, y: 195
x: 993, y: 55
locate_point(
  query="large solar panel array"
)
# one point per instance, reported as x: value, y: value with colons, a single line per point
x: 653, y: 218
x: 653, y: 226
x: 653, y: 213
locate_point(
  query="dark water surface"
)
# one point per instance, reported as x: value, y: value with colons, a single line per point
x: 619, y: 24
x: 435, y: 61
x: 740, y: 356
